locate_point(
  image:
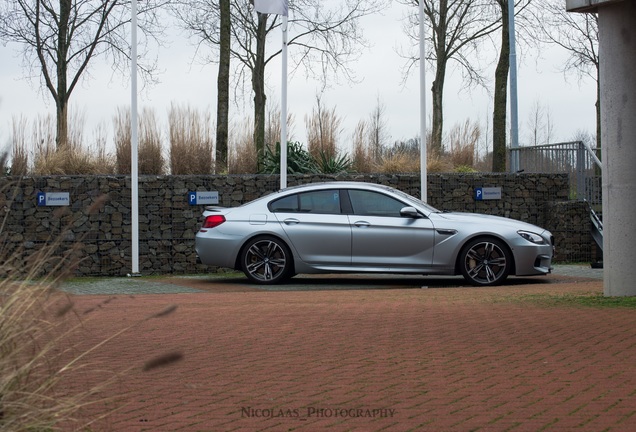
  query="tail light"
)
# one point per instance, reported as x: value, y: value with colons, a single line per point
x: 213, y: 221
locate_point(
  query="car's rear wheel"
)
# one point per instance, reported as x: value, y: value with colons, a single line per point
x: 266, y: 260
x: 485, y: 262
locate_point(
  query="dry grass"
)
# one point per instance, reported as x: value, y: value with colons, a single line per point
x: 242, y: 158
x: 19, y: 150
x: 73, y: 158
x: 41, y: 360
x: 399, y: 162
x: 323, y: 129
x: 273, y: 129
x: 438, y: 164
x: 150, y: 158
x: 121, y: 124
x: 36, y: 320
x: 362, y: 159
x: 41, y: 356
x: 191, y: 142
x: 191, y: 146
x: 463, y: 142
x: 461, y: 153
x: 32, y: 318
x: 150, y: 153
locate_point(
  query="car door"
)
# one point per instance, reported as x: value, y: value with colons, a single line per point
x: 316, y: 227
x: 383, y: 239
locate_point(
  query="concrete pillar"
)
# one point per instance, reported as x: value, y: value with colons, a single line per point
x: 617, y: 50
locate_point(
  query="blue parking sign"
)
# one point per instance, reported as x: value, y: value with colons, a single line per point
x: 479, y: 194
x: 192, y: 198
x: 198, y: 198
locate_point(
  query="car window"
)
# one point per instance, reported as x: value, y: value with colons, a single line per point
x: 326, y: 201
x: 369, y: 203
x: 321, y: 202
x: 288, y: 204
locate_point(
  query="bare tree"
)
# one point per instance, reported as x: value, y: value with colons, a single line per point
x: 223, y: 85
x: 540, y: 124
x: 499, y: 117
x: 577, y: 33
x: 535, y: 119
x: 361, y: 155
x: 324, y: 37
x: 60, y: 39
x: 458, y: 27
x: 378, y: 135
x: 501, y: 93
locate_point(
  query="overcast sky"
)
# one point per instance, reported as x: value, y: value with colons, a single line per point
x: 187, y: 82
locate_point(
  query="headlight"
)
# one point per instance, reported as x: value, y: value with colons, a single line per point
x: 531, y: 237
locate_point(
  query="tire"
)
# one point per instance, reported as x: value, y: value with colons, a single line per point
x: 266, y: 260
x: 485, y: 262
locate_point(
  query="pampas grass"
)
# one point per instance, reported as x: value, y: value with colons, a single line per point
x: 242, y: 158
x: 191, y: 142
x: 191, y: 146
x: 39, y: 360
x: 74, y: 158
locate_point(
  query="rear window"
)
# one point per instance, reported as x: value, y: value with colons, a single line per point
x: 319, y: 202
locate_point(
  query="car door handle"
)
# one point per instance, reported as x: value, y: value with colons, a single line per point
x: 362, y: 224
x: 291, y: 221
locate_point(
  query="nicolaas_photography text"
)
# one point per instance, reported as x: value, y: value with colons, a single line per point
x: 316, y: 412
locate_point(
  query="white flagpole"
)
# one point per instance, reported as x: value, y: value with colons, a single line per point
x: 134, y: 143
x: 423, y: 168
x: 283, y: 110
x: 514, y: 121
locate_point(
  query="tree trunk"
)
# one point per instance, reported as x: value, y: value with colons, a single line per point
x: 501, y: 95
x: 437, y: 90
x: 61, y: 120
x: 258, y: 85
x: 62, y: 96
x: 223, y: 88
x: 438, y: 109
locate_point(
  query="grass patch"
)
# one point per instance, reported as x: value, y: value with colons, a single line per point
x: 593, y: 300
x: 154, y: 277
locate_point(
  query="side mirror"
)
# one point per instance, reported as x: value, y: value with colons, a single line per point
x: 410, y: 212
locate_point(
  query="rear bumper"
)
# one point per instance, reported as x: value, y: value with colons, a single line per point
x: 219, y: 251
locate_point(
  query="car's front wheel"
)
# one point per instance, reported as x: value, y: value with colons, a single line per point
x: 266, y: 260
x: 485, y: 262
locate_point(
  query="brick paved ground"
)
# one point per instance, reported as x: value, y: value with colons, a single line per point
x: 392, y: 359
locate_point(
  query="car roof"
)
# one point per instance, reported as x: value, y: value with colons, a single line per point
x: 336, y: 184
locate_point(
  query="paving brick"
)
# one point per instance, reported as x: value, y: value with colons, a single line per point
x: 442, y: 359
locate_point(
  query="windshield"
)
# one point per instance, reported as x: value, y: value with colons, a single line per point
x: 416, y: 201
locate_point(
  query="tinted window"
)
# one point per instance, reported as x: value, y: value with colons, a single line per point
x: 367, y: 203
x: 285, y: 205
x: 324, y: 202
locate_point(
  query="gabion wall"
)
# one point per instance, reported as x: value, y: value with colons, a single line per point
x: 96, y: 226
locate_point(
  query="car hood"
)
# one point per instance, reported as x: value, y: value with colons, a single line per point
x: 476, y: 218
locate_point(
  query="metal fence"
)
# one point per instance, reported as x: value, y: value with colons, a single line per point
x: 581, y: 161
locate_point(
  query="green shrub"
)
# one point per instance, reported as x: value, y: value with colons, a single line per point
x: 335, y: 164
x: 299, y: 161
x: 465, y: 169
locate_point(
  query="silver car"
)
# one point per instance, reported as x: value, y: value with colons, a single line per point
x: 360, y: 227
